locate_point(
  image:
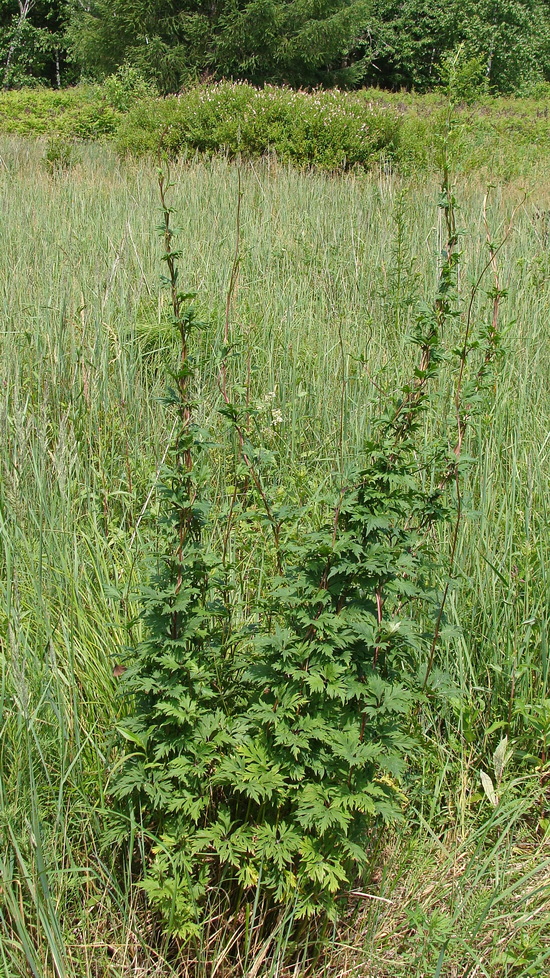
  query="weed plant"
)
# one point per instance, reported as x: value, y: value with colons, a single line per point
x: 61, y: 154
x: 79, y: 113
x: 265, y: 754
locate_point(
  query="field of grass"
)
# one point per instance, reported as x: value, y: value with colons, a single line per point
x: 331, y: 272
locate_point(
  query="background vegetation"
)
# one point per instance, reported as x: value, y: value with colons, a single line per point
x: 349, y: 43
x: 309, y: 297
x: 333, y: 130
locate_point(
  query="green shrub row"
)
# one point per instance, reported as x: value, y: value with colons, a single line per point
x: 76, y: 113
x: 328, y: 130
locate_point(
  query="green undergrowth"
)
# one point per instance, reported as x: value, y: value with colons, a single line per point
x: 76, y: 113
x: 328, y: 130
x: 269, y: 731
x: 337, y: 130
x: 330, y: 275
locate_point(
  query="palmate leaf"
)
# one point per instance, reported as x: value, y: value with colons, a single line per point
x: 277, y: 844
x: 338, y: 690
x: 224, y: 838
x: 188, y: 805
x: 317, y: 817
x: 132, y: 778
x: 363, y: 802
x: 248, y: 874
x: 394, y: 762
x: 348, y: 746
x: 289, y: 737
x: 250, y: 772
x: 319, y: 868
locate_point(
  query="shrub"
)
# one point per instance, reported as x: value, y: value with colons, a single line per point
x: 126, y: 87
x: 329, y: 130
x: 78, y: 113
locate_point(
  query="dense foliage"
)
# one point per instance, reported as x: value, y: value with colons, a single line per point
x: 506, y: 43
x: 263, y: 40
x: 33, y: 43
x: 323, y: 130
x: 328, y: 130
x: 267, y: 742
x: 330, y: 279
x: 349, y: 43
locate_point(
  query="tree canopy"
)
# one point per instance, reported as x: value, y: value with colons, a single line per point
x: 33, y: 42
x: 302, y: 43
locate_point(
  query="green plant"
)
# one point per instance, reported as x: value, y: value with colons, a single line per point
x: 78, y: 113
x: 84, y: 432
x: 182, y: 676
x: 60, y: 154
x: 464, y: 78
x: 348, y: 43
x: 126, y: 87
x: 501, y: 758
x: 268, y: 755
x: 328, y: 130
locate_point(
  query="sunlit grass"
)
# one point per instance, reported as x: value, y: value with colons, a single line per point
x: 331, y: 272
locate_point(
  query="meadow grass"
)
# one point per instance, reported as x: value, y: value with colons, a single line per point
x: 331, y: 271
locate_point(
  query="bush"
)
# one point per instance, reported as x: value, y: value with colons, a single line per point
x: 330, y: 130
x: 127, y: 87
x: 80, y: 113
x: 61, y: 154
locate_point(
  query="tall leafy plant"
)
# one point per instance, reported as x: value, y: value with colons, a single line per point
x: 264, y: 759
x: 179, y: 679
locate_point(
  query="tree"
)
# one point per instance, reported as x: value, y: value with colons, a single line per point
x: 410, y: 39
x: 392, y: 43
x: 306, y: 43
x: 32, y: 42
x: 169, y: 41
x: 16, y: 36
x: 511, y: 37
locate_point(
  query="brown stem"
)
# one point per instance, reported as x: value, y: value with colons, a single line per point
x: 231, y: 291
x: 183, y: 380
x: 406, y: 409
x: 222, y: 383
x: 452, y: 557
x: 462, y: 418
x: 379, y: 612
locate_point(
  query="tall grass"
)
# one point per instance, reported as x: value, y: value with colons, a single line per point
x: 331, y: 270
